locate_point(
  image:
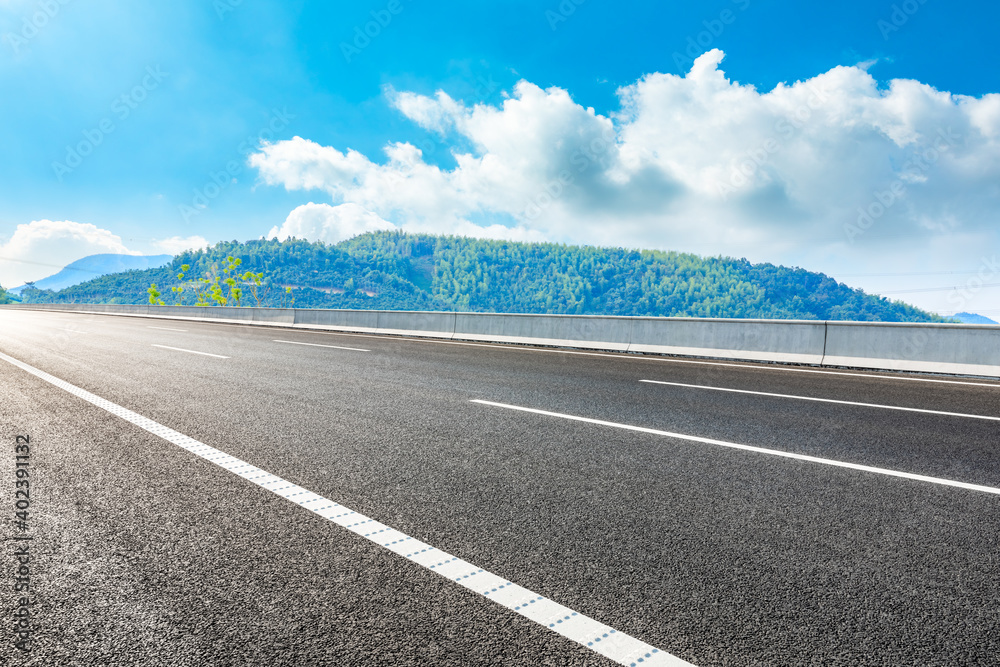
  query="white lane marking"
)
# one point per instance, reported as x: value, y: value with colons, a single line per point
x: 747, y: 365
x: 763, y: 367
x: 749, y: 448
x: 335, y: 347
x: 824, y: 400
x: 181, y: 349
x: 605, y: 640
x: 167, y: 329
x: 75, y: 331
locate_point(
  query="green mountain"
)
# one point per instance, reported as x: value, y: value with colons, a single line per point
x: 397, y: 271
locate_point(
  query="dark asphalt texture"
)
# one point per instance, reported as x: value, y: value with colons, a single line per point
x: 146, y: 554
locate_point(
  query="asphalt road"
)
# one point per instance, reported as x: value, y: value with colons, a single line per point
x: 144, y: 553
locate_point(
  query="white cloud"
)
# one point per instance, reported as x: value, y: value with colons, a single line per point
x: 330, y: 224
x: 437, y: 114
x: 178, y: 244
x: 834, y: 173
x: 43, y: 247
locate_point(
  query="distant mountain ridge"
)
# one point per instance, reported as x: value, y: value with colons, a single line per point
x: 398, y: 271
x: 94, y: 266
x: 972, y: 318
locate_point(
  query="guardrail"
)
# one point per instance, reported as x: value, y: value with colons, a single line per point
x: 964, y: 349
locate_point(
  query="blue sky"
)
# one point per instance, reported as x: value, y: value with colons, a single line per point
x: 165, y: 98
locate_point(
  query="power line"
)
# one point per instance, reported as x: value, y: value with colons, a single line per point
x: 892, y: 275
x: 940, y: 289
x: 55, y: 266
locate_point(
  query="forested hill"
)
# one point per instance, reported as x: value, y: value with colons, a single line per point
x: 396, y: 271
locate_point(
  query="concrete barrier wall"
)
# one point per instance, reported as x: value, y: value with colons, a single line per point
x: 964, y: 349
x: 277, y: 316
x: 764, y: 340
x: 408, y: 323
x: 135, y: 310
x: 584, y: 331
x: 365, y: 321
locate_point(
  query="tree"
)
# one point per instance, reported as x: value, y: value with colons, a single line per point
x: 179, y: 289
x: 154, y: 296
x: 7, y: 297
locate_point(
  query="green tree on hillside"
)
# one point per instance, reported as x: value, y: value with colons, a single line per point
x: 224, y: 290
x: 6, y: 297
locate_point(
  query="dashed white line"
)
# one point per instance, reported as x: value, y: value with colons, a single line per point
x: 824, y: 400
x: 335, y: 347
x: 167, y: 329
x: 747, y: 365
x: 75, y: 331
x: 605, y: 640
x: 748, y: 448
x: 181, y: 349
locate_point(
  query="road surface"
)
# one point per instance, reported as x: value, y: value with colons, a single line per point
x: 224, y: 494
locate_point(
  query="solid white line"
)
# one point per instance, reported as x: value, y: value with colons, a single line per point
x: 335, y: 347
x: 825, y: 400
x: 180, y: 349
x: 167, y: 329
x: 764, y: 367
x: 605, y: 640
x: 749, y: 448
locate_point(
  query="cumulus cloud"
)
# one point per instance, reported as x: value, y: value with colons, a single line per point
x: 43, y: 247
x: 836, y: 172
x: 178, y: 244
x: 330, y: 224
x: 437, y: 113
